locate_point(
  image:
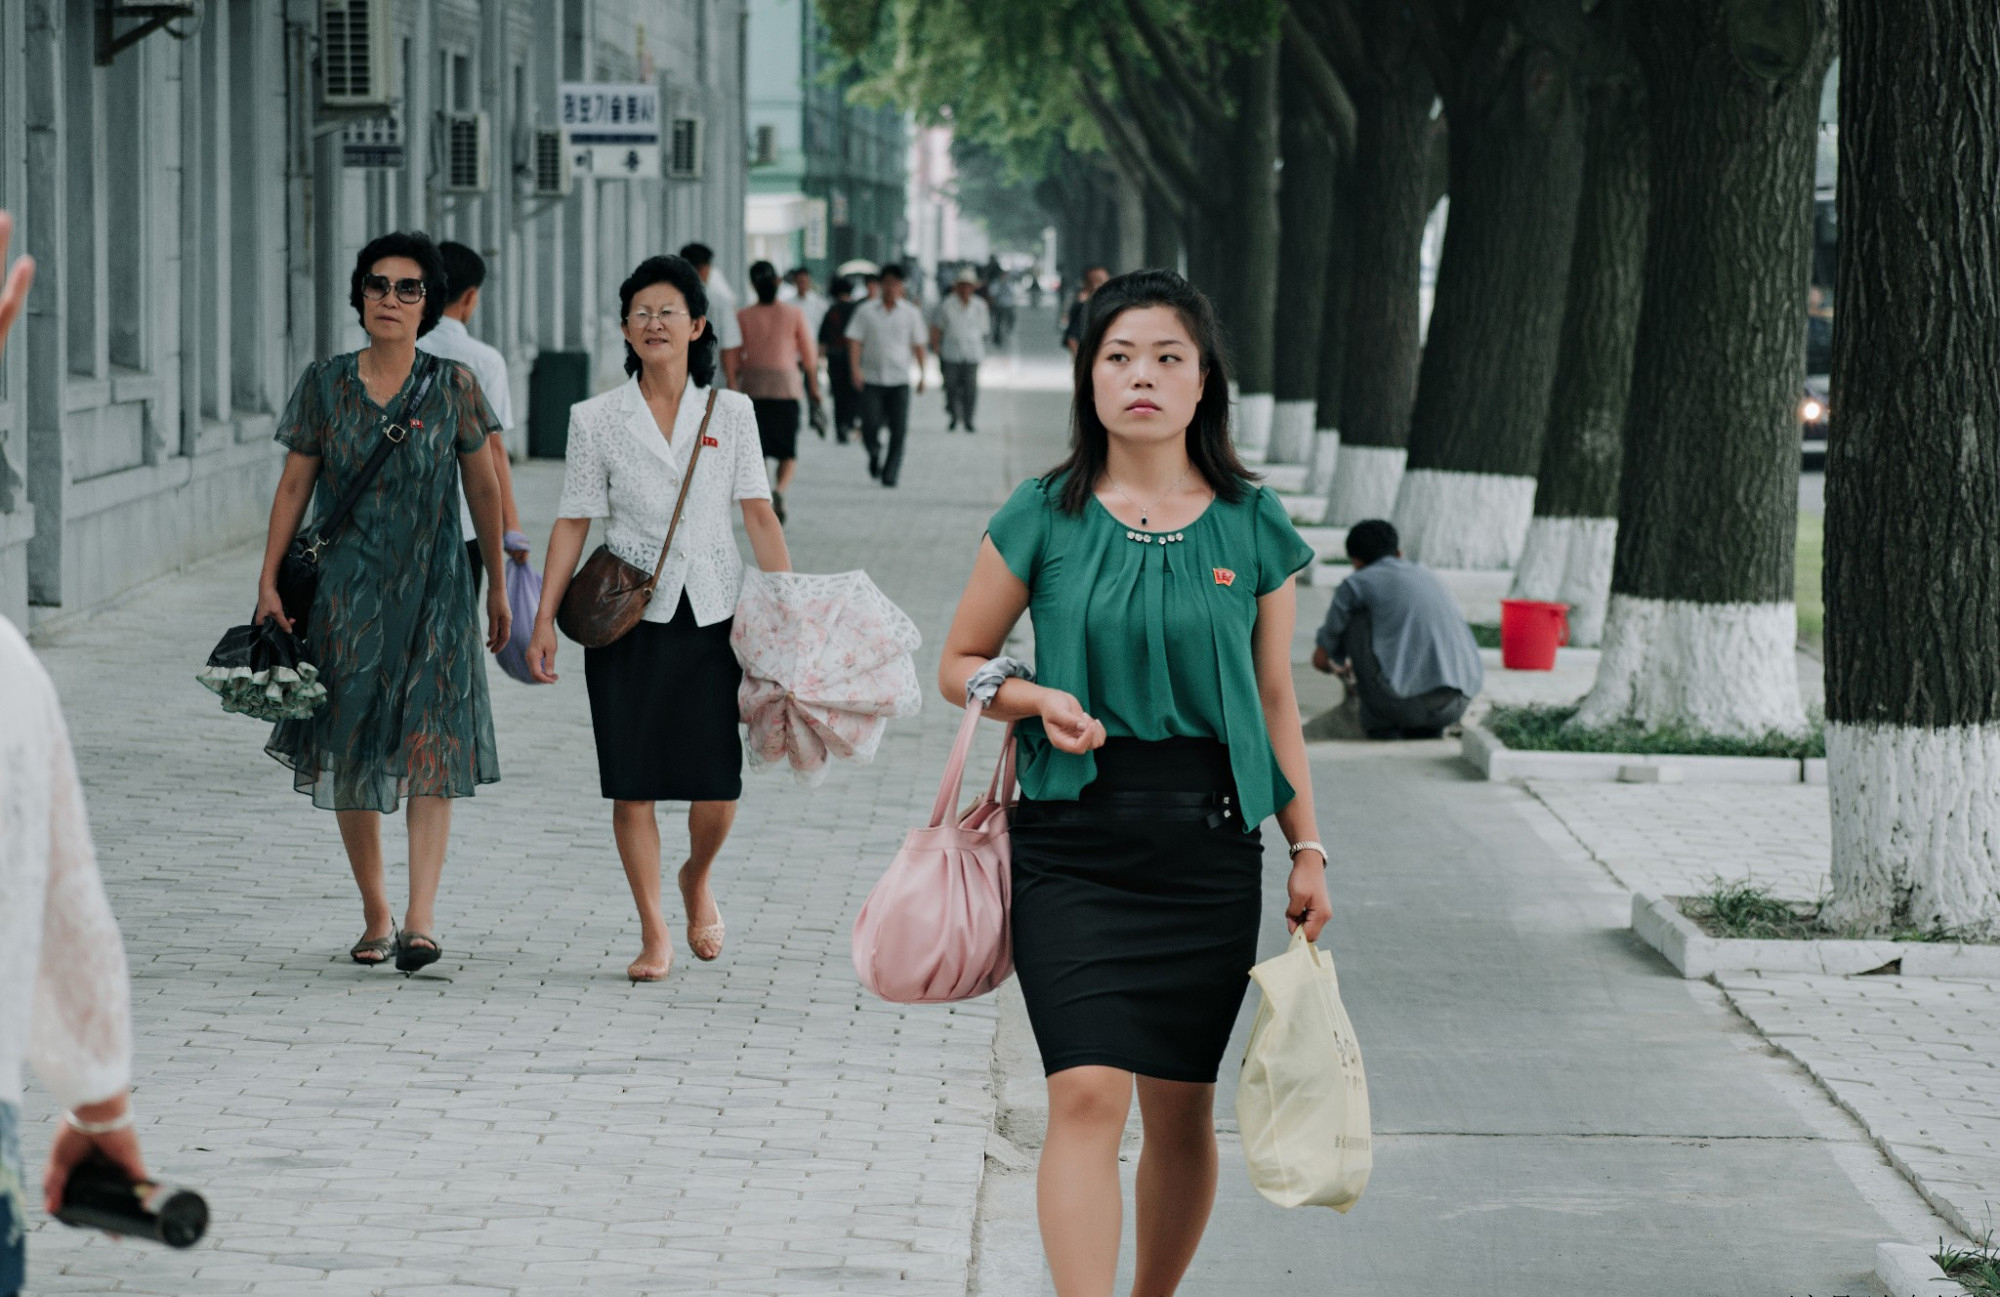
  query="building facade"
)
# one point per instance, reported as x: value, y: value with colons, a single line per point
x: 826, y: 176
x: 196, y: 200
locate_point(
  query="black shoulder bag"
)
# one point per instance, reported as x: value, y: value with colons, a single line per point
x: 298, y: 571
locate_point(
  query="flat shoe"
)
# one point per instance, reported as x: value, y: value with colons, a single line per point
x: 410, y: 956
x: 705, y: 941
x: 380, y: 947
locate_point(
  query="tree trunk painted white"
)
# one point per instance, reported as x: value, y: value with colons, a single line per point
x: 1291, y: 432
x: 1325, y: 459
x: 1252, y: 432
x: 1463, y: 520
x: 1916, y: 827
x: 1716, y: 668
x: 1364, y: 484
x: 1568, y: 560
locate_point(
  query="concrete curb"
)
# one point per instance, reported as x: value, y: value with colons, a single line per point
x: 1906, y: 1271
x: 1497, y: 762
x: 1695, y: 954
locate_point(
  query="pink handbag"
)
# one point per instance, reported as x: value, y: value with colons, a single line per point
x: 935, y: 928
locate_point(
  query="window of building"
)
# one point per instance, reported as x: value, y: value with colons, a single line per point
x: 80, y: 163
x: 247, y: 219
x: 126, y: 128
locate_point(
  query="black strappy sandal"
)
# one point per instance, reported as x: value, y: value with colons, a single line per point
x: 410, y: 956
x: 380, y: 947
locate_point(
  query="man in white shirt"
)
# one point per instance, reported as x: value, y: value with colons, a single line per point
x: 798, y: 289
x: 958, y: 334
x: 883, y: 335
x: 465, y: 271
x: 721, y: 308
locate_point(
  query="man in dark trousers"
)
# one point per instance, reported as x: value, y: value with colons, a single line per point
x: 883, y: 338
x: 1396, y: 635
x: 839, y: 370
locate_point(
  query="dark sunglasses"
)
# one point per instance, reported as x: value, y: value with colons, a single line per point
x: 408, y: 291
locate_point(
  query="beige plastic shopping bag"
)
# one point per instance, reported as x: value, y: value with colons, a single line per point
x: 1302, y: 1102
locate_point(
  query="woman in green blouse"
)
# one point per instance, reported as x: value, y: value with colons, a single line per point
x: 1160, y: 732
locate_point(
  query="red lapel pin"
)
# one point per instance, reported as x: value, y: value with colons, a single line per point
x: 1223, y: 576
x: 710, y: 441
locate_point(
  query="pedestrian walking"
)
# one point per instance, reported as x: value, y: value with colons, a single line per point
x: 777, y: 350
x: 721, y: 306
x: 832, y: 338
x: 1159, y: 731
x: 1397, y: 636
x: 883, y: 336
x: 958, y: 335
x: 1077, y: 319
x: 65, y: 997
x: 663, y: 696
x: 465, y: 274
x: 799, y: 291
x: 392, y: 628
x: 1006, y: 296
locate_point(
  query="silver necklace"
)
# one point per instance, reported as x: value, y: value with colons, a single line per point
x: 1146, y: 511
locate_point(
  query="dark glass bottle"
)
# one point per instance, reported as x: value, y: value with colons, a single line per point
x: 101, y: 1196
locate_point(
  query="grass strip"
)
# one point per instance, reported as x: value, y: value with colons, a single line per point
x: 1552, y: 729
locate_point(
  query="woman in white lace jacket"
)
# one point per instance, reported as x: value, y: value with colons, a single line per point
x: 64, y: 998
x: 663, y: 697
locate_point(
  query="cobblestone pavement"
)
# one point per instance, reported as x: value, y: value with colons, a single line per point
x: 1917, y: 1059
x: 519, y: 1119
x: 1678, y: 839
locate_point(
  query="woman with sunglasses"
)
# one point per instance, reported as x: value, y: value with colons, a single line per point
x: 663, y: 696
x: 393, y: 628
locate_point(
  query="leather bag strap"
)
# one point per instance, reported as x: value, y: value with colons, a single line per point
x: 394, y: 435
x: 687, y: 480
x: 954, y: 770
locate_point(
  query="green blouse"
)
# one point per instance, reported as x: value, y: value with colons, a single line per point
x: 1151, y: 631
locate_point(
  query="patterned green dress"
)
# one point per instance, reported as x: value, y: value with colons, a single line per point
x: 394, y: 629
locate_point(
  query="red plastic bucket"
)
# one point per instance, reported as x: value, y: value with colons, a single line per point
x: 1531, y: 632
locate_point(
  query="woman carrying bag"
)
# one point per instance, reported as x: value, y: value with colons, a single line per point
x: 391, y: 625
x: 1162, y: 731
x: 665, y: 452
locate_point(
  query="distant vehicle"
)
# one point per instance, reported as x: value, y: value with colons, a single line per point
x: 1814, y: 408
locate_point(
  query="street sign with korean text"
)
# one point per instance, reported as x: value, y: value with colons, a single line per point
x: 373, y: 144
x: 613, y: 128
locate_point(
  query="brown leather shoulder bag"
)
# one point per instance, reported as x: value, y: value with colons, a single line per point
x: 607, y: 596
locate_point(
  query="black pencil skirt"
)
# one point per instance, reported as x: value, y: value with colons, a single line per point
x: 663, y: 711
x: 777, y: 428
x: 1135, y: 912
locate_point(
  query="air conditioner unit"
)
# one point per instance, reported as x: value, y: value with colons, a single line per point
x: 468, y: 152
x: 357, y: 44
x: 548, y: 160
x: 684, y: 149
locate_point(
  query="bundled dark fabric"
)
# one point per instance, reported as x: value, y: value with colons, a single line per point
x: 261, y: 672
x: 298, y: 570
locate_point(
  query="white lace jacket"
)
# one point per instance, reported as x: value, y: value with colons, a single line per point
x: 65, y: 1003
x: 621, y: 469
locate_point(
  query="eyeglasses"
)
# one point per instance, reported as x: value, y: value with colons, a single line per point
x: 408, y: 291
x: 644, y: 319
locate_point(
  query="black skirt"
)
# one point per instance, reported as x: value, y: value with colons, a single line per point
x: 777, y: 428
x: 663, y: 712
x: 1135, y: 912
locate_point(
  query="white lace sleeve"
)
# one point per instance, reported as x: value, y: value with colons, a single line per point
x: 81, y: 1041
x: 586, y: 485
x: 751, y: 481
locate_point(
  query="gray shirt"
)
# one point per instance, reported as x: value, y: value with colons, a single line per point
x: 1418, y: 633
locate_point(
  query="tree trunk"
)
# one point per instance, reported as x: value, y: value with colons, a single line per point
x: 1913, y: 472
x: 1333, y: 336
x: 1163, y: 233
x: 1567, y: 557
x: 1305, y: 204
x: 1390, y: 186
x: 1496, y: 323
x: 1702, y: 628
x: 1248, y: 239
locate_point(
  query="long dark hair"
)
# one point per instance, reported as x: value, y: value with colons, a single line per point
x: 764, y: 280
x: 676, y: 271
x: 1208, y: 444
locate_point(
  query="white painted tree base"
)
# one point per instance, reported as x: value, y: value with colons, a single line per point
x: 1364, y: 484
x: 1291, y: 432
x: 1252, y: 430
x: 1916, y: 827
x: 1325, y: 459
x: 1568, y: 560
x: 1475, y: 521
x: 1713, y: 668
